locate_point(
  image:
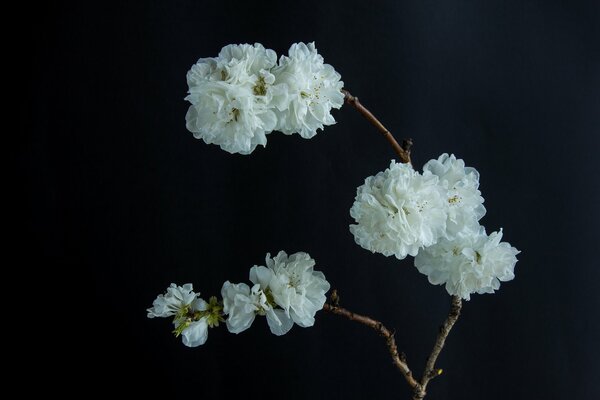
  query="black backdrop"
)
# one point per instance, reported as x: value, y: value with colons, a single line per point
x: 122, y: 199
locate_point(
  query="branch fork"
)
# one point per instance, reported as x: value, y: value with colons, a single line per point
x: 419, y: 387
x: 399, y: 359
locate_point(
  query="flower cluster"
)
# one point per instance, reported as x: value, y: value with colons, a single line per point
x: 287, y: 290
x: 191, y: 315
x: 243, y: 94
x: 435, y: 217
x: 398, y: 211
x: 472, y: 262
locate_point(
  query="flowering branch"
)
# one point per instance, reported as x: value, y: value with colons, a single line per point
x: 398, y: 359
x: 245, y: 94
x: 402, y: 151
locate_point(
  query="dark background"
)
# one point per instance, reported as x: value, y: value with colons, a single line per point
x: 123, y: 201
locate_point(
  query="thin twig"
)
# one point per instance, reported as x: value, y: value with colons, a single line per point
x: 398, y: 360
x: 430, y: 370
x: 402, y: 151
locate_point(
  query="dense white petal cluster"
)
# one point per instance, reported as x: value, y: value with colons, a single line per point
x: 230, y: 98
x: 472, y: 262
x: 465, y: 204
x: 310, y: 90
x: 398, y: 211
x: 287, y: 291
x: 173, y: 301
x: 242, y: 304
x: 189, y: 312
x: 242, y: 95
x: 296, y: 287
x: 435, y: 217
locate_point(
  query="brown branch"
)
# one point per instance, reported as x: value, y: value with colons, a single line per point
x: 419, y: 388
x: 402, y: 151
x: 430, y: 370
x: 398, y: 359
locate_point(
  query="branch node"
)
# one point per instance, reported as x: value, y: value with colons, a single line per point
x: 407, y: 145
x: 403, y: 357
x: 382, y: 330
x: 419, y: 393
x: 434, y: 373
x: 335, y: 298
x: 399, y: 359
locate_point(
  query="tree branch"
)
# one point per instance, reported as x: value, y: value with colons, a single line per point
x: 419, y: 388
x: 430, y: 370
x: 402, y: 151
x: 398, y: 360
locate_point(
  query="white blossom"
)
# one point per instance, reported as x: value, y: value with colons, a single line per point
x: 196, y: 332
x: 230, y: 97
x: 287, y: 290
x: 398, y: 211
x: 471, y: 263
x: 465, y: 204
x: 242, y: 304
x: 294, y: 285
x: 173, y: 301
x: 306, y: 91
x: 187, y: 309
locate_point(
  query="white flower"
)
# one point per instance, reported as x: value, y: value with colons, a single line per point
x: 294, y: 285
x: 286, y: 282
x: 195, y: 334
x: 173, y: 301
x: 472, y: 263
x: 465, y: 204
x: 399, y: 211
x: 242, y: 304
x: 230, y: 97
x: 182, y: 303
x: 306, y: 91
